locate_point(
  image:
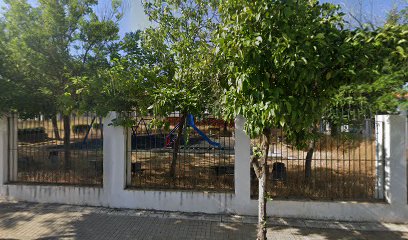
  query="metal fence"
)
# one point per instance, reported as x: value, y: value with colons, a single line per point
x: 57, y: 150
x: 343, y: 164
x: 203, y: 159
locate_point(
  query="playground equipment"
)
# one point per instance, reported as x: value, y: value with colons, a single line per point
x: 141, y: 121
x: 190, y: 122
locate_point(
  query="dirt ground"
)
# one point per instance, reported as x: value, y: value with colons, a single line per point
x: 342, y: 167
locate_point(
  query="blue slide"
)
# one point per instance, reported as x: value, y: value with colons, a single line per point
x: 190, y: 121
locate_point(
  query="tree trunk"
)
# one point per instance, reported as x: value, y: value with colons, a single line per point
x: 67, y: 141
x: 101, y: 126
x: 177, y: 146
x: 262, y: 184
x: 333, y: 129
x: 55, y: 127
x: 88, y: 130
x: 261, y: 235
x: 309, y: 157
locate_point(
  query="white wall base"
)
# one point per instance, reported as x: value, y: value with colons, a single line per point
x: 206, y: 203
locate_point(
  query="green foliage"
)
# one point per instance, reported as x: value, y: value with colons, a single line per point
x: 284, y: 61
x: 397, y: 17
x: 164, y: 69
x: 123, y: 86
x: 181, y: 41
x: 386, y: 90
x: 52, y: 45
x: 5, y: 76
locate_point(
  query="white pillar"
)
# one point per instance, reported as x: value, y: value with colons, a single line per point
x: 379, y: 157
x: 114, y: 158
x: 3, y: 150
x: 394, y: 148
x: 128, y: 160
x: 396, y: 160
x: 242, y: 162
x: 13, y: 147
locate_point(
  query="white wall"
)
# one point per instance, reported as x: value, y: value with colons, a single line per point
x: 114, y: 193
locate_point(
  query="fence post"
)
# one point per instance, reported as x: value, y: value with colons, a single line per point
x: 114, y: 177
x: 379, y: 157
x: 368, y: 128
x: 395, y: 159
x: 128, y: 160
x: 242, y: 161
x: 12, y: 147
x: 3, y: 150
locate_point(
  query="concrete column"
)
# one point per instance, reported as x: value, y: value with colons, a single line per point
x: 3, y: 150
x: 379, y: 157
x: 128, y: 159
x: 114, y: 158
x: 242, y: 162
x: 395, y: 159
x: 13, y: 147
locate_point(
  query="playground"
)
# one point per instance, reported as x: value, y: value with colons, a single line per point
x: 205, y: 155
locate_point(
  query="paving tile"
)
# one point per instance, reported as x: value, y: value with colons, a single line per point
x: 53, y: 221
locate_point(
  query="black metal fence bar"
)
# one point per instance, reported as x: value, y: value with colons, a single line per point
x: 203, y: 160
x: 343, y: 166
x: 60, y: 150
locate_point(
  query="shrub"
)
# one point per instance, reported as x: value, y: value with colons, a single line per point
x: 97, y: 126
x: 80, y: 128
x: 32, y: 134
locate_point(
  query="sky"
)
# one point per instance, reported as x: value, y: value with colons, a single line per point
x: 133, y: 18
x: 374, y: 11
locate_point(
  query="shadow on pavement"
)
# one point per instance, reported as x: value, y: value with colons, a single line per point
x: 52, y: 221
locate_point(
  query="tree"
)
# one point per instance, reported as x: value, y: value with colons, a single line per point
x: 397, y: 17
x: 384, y: 92
x: 122, y: 86
x: 181, y: 41
x: 5, y: 73
x: 52, y: 45
x: 284, y: 60
x: 12, y: 72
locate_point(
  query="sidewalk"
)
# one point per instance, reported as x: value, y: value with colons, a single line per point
x: 20, y: 220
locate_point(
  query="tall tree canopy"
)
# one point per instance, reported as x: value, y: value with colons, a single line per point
x: 53, y: 43
x: 385, y: 91
x: 181, y: 41
x: 164, y: 69
x: 125, y: 85
x: 284, y: 60
x: 8, y: 88
x: 50, y: 46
